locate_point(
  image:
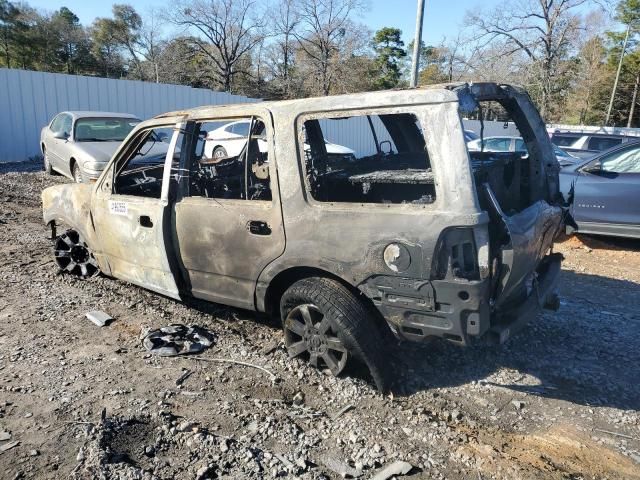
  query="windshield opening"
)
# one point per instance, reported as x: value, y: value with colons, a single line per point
x: 103, y: 129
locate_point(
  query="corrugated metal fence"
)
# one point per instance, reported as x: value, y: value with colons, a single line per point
x: 29, y: 100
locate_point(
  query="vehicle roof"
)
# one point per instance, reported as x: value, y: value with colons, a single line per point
x: 588, y: 134
x: 91, y: 114
x: 385, y: 98
x: 499, y: 136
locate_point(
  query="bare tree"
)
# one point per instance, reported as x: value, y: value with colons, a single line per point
x: 225, y: 31
x: 325, y: 29
x: 281, y: 55
x: 150, y: 41
x: 541, y: 30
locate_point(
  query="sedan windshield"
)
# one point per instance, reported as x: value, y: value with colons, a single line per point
x: 103, y: 129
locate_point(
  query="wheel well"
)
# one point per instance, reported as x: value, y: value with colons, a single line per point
x: 72, y: 162
x: 42, y: 148
x: 283, y: 280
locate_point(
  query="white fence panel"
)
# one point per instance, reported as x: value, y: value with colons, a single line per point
x: 29, y: 100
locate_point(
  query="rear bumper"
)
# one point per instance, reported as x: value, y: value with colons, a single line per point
x: 458, y: 310
x: 544, y: 294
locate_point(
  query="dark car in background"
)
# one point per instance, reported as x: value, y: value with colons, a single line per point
x: 605, y: 192
x: 587, y: 145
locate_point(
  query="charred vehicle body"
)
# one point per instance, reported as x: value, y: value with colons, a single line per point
x: 410, y: 234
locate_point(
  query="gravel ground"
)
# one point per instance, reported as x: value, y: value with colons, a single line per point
x: 558, y: 401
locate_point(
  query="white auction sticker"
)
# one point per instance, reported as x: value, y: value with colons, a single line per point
x: 118, y: 208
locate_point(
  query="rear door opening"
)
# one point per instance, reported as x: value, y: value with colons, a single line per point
x: 518, y: 187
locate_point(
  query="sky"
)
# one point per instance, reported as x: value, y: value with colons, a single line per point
x: 440, y: 19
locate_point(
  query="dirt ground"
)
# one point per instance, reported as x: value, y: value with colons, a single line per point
x: 558, y: 401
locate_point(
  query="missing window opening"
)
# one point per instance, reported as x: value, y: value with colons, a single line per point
x: 378, y: 158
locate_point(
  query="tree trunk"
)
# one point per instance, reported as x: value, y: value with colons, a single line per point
x: 633, y: 100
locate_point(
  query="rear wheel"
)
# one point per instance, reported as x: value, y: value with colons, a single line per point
x: 327, y: 325
x: 219, y: 153
x: 74, y: 256
x: 75, y: 171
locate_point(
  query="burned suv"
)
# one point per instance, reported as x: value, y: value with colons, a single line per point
x: 351, y: 218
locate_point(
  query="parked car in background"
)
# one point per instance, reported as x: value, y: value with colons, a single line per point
x: 230, y: 139
x: 470, y: 135
x: 605, y: 192
x: 79, y: 144
x: 516, y: 144
x: 583, y: 145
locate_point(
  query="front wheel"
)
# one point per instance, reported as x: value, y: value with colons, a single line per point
x: 327, y: 325
x: 77, y: 174
x: 48, y: 169
x: 74, y: 256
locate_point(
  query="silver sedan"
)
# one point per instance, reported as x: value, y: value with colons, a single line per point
x: 79, y: 144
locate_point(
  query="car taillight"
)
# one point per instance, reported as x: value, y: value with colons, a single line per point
x: 461, y: 253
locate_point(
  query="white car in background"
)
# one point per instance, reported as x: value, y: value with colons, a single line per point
x: 230, y: 139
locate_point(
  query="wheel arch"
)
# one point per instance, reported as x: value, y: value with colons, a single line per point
x: 270, y: 301
x: 69, y: 205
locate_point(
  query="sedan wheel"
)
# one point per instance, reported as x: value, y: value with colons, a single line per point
x: 73, y: 255
x: 219, y: 153
x: 77, y: 175
x: 47, y: 164
x: 307, y: 331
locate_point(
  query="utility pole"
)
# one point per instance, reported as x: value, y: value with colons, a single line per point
x: 415, y: 64
x: 615, y: 82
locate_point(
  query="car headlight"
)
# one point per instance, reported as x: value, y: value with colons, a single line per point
x: 94, y: 165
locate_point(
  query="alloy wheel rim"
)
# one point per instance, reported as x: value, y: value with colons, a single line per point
x: 309, y: 333
x: 73, y: 256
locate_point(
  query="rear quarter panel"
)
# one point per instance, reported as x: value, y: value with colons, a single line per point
x: 348, y: 239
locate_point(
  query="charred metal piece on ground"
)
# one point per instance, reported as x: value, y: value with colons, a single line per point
x: 178, y: 339
x: 74, y: 256
x: 99, y: 318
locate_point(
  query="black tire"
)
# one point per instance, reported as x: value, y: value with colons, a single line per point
x: 219, y: 152
x: 76, y: 173
x: 48, y: 169
x: 348, y: 317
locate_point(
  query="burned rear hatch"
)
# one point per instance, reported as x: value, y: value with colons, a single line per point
x: 519, y: 190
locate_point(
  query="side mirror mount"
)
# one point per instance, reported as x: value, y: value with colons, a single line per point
x: 61, y: 135
x: 388, y: 150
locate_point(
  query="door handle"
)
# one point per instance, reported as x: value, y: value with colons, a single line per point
x: 145, y: 221
x: 258, y: 227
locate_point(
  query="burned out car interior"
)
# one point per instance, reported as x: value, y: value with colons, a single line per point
x: 507, y: 173
x: 244, y: 175
x: 140, y: 172
x: 390, y: 163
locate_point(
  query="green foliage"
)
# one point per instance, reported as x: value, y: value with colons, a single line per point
x: 628, y: 11
x: 389, y: 50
